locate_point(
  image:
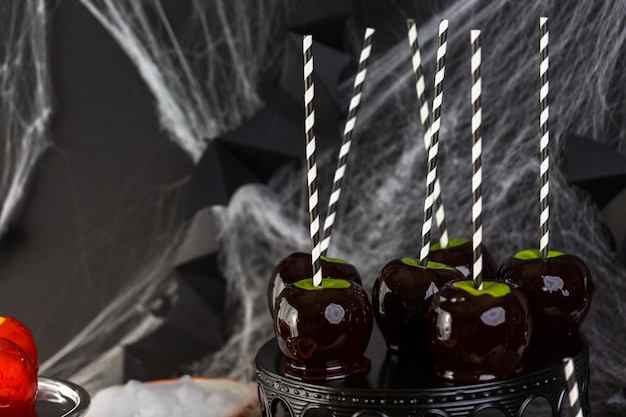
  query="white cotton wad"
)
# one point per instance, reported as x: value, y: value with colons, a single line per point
x: 184, y: 397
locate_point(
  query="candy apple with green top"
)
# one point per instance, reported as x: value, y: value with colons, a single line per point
x: 401, y: 296
x: 323, y: 330
x: 298, y: 266
x: 458, y: 254
x: 478, y: 335
x: 558, y: 288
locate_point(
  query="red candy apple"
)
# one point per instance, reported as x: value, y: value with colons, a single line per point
x: 401, y: 296
x: 18, y: 381
x: 324, y: 330
x: 478, y: 335
x: 558, y: 289
x: 14, y: 330
x: 298, y: 266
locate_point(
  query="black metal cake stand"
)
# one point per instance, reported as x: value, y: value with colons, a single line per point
x: 399, y: 387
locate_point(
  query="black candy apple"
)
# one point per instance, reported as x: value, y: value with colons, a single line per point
x: 459, y: 254
x: 478, y: 335
x: 401, y: 296
x: 558, y: 289
x: 299, y: 266
x: 324, y: 330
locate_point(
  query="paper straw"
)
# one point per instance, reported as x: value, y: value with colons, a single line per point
x: 434, y: 142
x: 477, y: 170
x: 420, y: 85
x: 572, y: 388
x: 347, y: 139
x: 309, y: 114
x: 545, y: 138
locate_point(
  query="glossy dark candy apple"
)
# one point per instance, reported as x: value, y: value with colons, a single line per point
x: 401, y: 296
x: 323, y: 331
x: 558, y: 288
x: 459, y: 254
x: 298, y: 266
x: 478, y: 336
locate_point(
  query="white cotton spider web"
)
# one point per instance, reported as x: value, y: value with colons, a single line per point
x: 133, y: 311
x: 24, y: 99
x: 87, y: 358
x: 204, y: 80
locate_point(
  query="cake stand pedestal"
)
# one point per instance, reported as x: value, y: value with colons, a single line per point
x: 398, y: 387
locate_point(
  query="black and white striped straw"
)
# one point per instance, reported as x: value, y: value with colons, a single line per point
x: 572, y: 387
x: 309, y: 122
x: 434, y: 142
x: 545, y: 138
x: 420, y: 86
x: 347, y: 139
x: 477, y: 169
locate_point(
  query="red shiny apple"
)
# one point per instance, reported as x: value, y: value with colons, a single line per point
x: 18, y: 381
x: 459, y: 254
x: 401, y: 296
x: 478, y: 335
x: 558, y: 288
x: 323, y: 331
x: 16, y: 331
x: 299, y: 266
